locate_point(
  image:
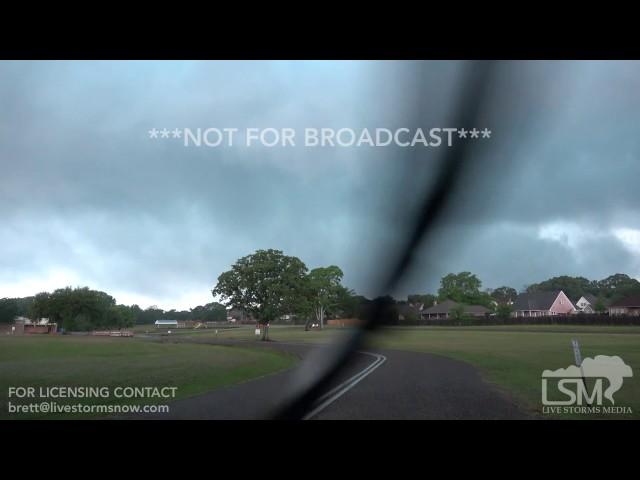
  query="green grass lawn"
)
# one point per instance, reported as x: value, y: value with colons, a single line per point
x: 282, y: 333
x: 153, y: 330
x: 285, y: 333
x: 511, y: 357
x: 101, y: 361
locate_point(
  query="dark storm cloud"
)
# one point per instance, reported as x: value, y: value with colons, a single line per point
x: 87, y: 198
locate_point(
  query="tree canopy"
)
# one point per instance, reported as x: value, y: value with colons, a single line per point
x: 81, y: 309
x: 504, y: 295
x: 463, y: 287
x: 427, y: 300
x: 325, y: 290
x: 267, y: 284
x: 8, y: 310
x: 612, y: 287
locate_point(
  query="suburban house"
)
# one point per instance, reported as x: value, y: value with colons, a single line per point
x: 542, y: 304
x: 626, y: 306
x: 443, y: 310
x: 586, y: 304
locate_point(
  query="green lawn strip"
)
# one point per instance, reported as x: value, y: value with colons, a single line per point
x: 293, y: 334
x: 514, y: 360
x: 111, y: 362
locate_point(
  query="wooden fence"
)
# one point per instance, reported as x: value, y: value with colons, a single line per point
x: 548, y: 320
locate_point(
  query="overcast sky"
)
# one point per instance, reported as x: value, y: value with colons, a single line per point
x: 87, y: 198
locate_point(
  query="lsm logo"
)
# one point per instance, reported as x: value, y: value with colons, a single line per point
x: 569, y: 387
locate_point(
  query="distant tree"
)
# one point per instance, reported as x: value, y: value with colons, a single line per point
x: 136, y: 311
x: 426, y: 299
x: 616, y: 282
x: 612, y: 288
x: 504, y: 295
x: 600, y: 306
x: 8, y: 310
x: 211, y: 312
x: 485, y: 300
x: 460, y: 287
x: 24, y: 305
x: 573, y: 287
x: 41, y: 306
x: 174, y: 314
x: 410, y: 314
x: 267, y: 284
x: 121, y: 316
x: 348, y: 303
x: 463, y: 287
x: 503, y: 311
x: 458, y: 312
x: 617, y: 286
x: 325, y: 290
x: 79, y: 309
x: 153, y: 313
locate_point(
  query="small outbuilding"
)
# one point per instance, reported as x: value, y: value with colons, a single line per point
x: 26, y: 326
x: 166, y: 323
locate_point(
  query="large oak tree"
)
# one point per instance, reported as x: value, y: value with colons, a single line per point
x: 267, y: 284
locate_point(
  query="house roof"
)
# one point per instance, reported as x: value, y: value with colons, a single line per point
x: 592, y: 299
x: 406, y: 308
x: 535, y: 300
x: 166, y: 322
x: 448, y: 305
x: 632, y: 301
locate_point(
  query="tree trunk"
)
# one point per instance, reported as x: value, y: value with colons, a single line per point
x: 319, y: 311
x: 265, y: 332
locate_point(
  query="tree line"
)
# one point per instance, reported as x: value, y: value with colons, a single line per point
x: 609, y: 289
x: 71, y: 308
x: 466, y: 288
x: 83, y: 309
x: 269, y: 286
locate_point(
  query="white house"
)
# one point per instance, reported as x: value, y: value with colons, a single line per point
x: 586, y: 304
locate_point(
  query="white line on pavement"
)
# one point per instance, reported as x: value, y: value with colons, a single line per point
x: 347, y: 385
